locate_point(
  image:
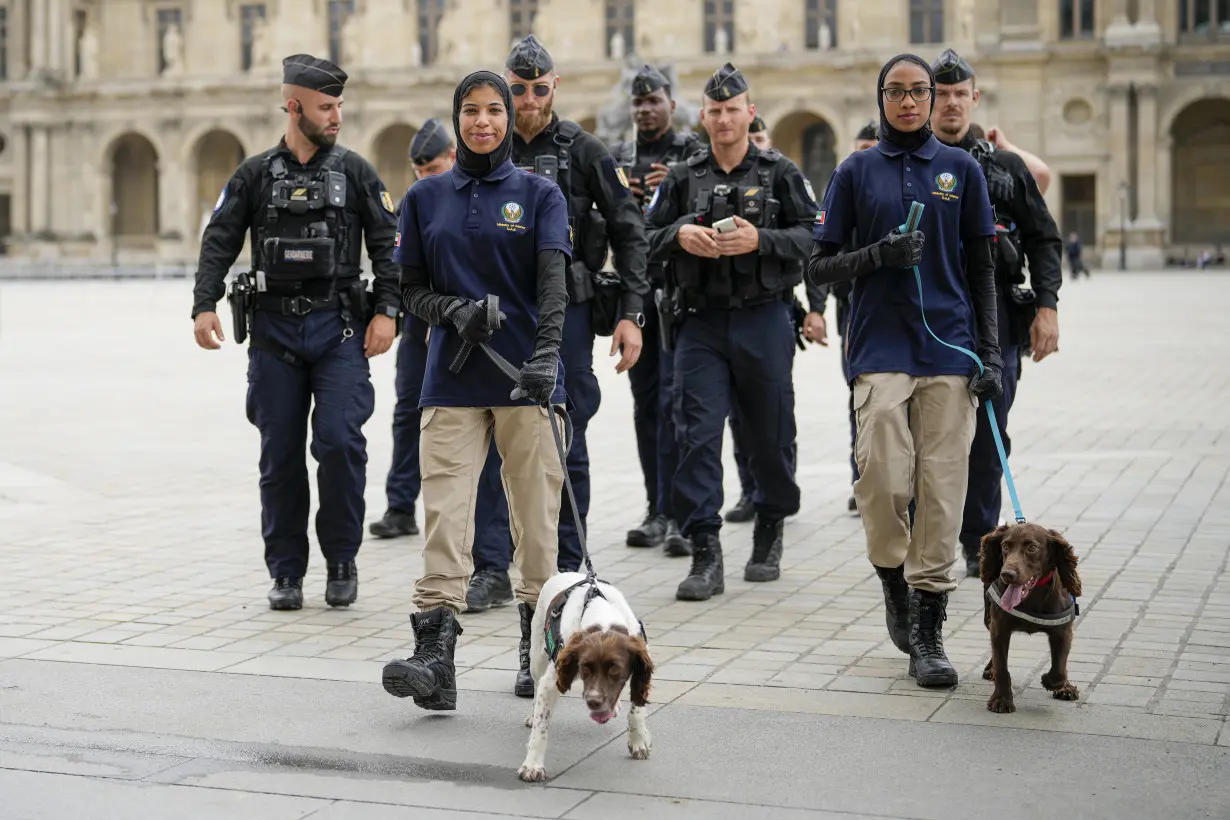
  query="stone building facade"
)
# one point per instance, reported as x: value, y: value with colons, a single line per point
x: 120, y: 120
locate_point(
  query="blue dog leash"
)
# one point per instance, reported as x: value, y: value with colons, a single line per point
x: 911, y: 224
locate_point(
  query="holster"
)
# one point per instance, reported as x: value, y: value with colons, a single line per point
x: 580, y: 283
x: 668, y: 302
x: 1022, y: 309
x: 240, y: 301
x: 604, y: 306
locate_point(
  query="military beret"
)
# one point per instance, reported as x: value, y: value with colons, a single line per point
x: 870, y: 131
x: 725, y: 83
x: 312, y: 72
x: 649, y: 80
x: 951, y: 68
x: 757, y: 125
x: 529, y: 59
x: 430, y: 142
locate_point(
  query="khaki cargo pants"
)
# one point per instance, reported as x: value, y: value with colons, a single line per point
x: 453, y: 445
x: 913, y: 441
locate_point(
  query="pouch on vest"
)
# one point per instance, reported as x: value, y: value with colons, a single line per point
x: 294, y: 260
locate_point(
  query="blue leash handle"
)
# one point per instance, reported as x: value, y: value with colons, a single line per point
x: 911, y: 224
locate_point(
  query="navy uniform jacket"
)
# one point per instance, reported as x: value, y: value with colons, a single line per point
x: 595, y: 179
x: 475, y: 237
x: 870, y: 194
x: 368, y: 208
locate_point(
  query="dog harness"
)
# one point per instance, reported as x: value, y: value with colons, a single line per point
x: 995, y: 593
x: 555, y: 615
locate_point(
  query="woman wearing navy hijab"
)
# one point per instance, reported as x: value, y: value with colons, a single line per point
x: 914, y: 398
x: 482, y: 228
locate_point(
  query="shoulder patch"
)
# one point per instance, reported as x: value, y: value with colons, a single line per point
x: 616, y: 179
x: 221, y: 198
x: 653, y: 202
x: 810, y: 192
x: 387, y: 201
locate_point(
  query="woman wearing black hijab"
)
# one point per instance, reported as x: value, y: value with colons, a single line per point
x: 482, y: 228
x: 914, y: 398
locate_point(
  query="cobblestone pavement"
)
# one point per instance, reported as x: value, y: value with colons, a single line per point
x: 129, y: 524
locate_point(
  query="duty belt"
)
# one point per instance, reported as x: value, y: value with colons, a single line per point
x: 295, y: 305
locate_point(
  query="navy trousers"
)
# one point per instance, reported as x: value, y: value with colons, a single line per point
x: 492, y: 537
x: 651, y: 380
x: 741, y: 359
x: 331, y: 382
x: 984, y: 496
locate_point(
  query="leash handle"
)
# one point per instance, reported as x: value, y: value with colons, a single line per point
x: 492, y: 304
x: 911, y: 224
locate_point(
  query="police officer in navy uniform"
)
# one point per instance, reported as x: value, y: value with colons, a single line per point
x: 601, y: 208
x: 308, y: 204
x: 732, y: 292
x: 1027, y: 323
x: 647, y: 159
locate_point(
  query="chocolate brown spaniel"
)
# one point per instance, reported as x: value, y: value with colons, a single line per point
x: 1030, y: 584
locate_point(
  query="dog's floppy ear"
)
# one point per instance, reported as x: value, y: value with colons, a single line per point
x: 1063, y: 557
x: 568, y: 662
x: 992, y: 554
x: 642, y: 671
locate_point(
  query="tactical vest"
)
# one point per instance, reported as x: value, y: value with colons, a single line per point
x: 301, y: 236
x: 626, y: 155
x: 740, y: 281
x: 1009, y: 266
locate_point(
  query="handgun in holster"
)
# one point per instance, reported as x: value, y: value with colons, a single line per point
x: 241, y: 301
x: 669, y: 302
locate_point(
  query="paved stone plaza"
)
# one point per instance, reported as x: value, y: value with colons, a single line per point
x: 141, y: 668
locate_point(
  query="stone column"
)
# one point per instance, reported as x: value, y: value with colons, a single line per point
x: 1146, y: 197
x: 56, y: 24
x: 19, y: 144
x: 40, y: 179
x: 38, y: 36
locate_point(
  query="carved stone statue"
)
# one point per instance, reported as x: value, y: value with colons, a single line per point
x: 352, y: 41
x: 614, y: 119
x: 617, y: 45
x: 826, y: 36
x: 721, y: 43
x: 87, y: 47
x: 965, y: 21
x: 416, y: 52
x: 173, y: 51
x: 261, y: 51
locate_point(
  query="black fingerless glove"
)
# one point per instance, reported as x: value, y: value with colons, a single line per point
x: 989, y: 384
x: 470, y: 321
x: 898, y: 250
x: 537, y: 379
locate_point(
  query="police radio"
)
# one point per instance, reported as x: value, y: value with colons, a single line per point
x: 547, y: 165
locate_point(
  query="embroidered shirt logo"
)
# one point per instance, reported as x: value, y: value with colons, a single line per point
x: 946, y: 182
x: 512, y: 212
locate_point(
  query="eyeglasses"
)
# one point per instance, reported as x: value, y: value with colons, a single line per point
x: 921, y: 94
x: 540, y: 89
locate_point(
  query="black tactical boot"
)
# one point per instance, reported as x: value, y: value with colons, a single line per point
x: 705, y: 579
x: 342, y: 588
x: 743, y: 511
x: 394, y: 523
x: 651, y: 533
x: 287, y: 593
x: 928, y: 663
x: 676, y: 545
x: 524, y: 687
x: 766, y: 551
x: 852, y: 505
x: 488, y: 588
x: 896, y: 606
x: 429, y: 676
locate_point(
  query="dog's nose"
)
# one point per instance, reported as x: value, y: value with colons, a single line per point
x: 1008, y: 576
x: 594, y: 703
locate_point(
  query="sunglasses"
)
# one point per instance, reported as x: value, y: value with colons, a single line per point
x: 540, y: 89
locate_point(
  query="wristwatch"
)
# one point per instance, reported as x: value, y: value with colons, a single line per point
x: 637, y: 319
x: 392, y: 311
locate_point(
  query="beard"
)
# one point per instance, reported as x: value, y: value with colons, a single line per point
x: 533, y: 122
x: 316, y: 134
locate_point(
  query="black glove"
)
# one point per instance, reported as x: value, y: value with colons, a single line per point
x: 989, y: 384
x: 470, y: 321
x: 898, y: 250
x: 1000, y: 184
x: 798, y: 316
x: 537, y: 379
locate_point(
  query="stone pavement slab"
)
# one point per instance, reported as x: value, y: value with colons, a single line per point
x: 129, y: 532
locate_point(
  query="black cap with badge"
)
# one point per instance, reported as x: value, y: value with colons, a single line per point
x: 757, y: 125
x: 870, y: 131
x: 529, y: 59
x: 649, y: 80
x: 951, y: 68
x: 307, y: 71
x: 725, y: 83
x: 430, y: 142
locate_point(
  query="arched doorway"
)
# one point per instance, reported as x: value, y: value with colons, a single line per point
x: 134, y: 192
x: 808, y: 140
x: 392, y: 149
x: 1201, y: 173
x: 218, y: 155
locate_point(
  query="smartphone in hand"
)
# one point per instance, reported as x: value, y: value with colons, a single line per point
x: 725, y: 225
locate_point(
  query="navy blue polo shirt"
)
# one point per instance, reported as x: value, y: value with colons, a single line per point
x: 869, y: 195
x: 476, y: 237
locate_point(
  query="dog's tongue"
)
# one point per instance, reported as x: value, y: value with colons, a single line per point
x: 600, y: 717
x: 1013, y: 596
